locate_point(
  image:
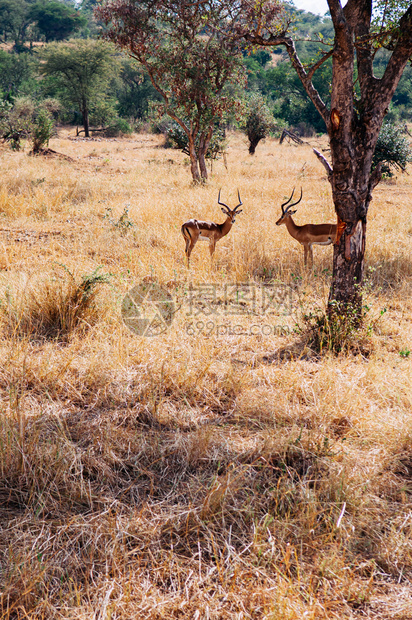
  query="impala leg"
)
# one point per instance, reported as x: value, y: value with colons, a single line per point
x: 212, y: 247
x: 188, y: 251
x: 189, y: 247
x: 305, y: 255
x: 308, y: 255
x: 190, y: 244
x: 310, y: 252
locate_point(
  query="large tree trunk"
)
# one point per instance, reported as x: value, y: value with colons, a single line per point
x: 204, y: 143
x: 202, y: 165
x: 253, y: 142
x: 194, y: 164
x: 352, y: 185
x: 348, y: 267
x: 85, y: 115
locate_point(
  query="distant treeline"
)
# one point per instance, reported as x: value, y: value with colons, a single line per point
x: 121, y: 96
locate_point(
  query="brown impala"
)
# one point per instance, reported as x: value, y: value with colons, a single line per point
x: 193, y: 230
x: 309, y: 234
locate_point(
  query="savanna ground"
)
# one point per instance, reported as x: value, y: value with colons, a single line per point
x: 201, y: 473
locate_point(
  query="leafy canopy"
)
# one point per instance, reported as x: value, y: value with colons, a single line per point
x: 83, y: 69
x: 55, y: 20
x: 180, y: 43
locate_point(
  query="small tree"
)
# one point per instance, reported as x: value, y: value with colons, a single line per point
x: 259, y: 121
x: 15, y: 21
x: 392, y: 151
x: 42, y: 130
x: 27, y: 119
x: 83, y: 70
x: 189, y: 62
x: 56, y: 20
x: 16, y: 121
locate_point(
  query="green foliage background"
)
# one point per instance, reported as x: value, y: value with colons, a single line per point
x: 123, y: 96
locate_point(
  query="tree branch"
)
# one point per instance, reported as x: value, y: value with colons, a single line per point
x: 312, y: 70
x: 305, y: 78
x: 361, y: 19
x: 325, y: 164
x: 398, y: 60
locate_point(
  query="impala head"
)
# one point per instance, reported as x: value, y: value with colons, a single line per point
x: 286, y: 212
x: 232, y: 213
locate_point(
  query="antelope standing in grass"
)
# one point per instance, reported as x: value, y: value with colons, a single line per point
x: 193, y: 230
x: 309, y: 234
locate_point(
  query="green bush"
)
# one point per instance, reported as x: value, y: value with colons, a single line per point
x: 176, y: 138
x: 42, y: 130
x: 392, y: 149
x: 118, y: 127
x: 259, y: 121
x: 28, y: 119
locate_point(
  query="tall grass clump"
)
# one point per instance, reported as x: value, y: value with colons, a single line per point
x: 56, y: 309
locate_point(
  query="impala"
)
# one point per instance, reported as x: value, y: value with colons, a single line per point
x: 193, y: 230
x: 309, y: 234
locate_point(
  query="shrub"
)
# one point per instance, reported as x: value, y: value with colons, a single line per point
x: 392, y: 149
x: 27, y: 119
x: 57, y: 309
x: 259, y: 121
x: 15, y: 121
x: 118, y: 127
x: 176, y: 138
x: 42, y: 130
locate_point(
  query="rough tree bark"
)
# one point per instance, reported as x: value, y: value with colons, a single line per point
x: 353, y: 124
x: 85, y: 115
x: 194, y: 168
x: 204, y: 143
x: 253, y: 142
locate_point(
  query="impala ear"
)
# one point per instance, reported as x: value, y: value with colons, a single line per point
x: 224, y: 210
x: 292, y: 212
x: 241, y: 211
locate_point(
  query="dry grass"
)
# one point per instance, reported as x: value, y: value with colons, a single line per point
x: 202, y: 473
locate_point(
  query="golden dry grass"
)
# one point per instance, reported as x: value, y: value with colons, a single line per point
x: 196, y: 474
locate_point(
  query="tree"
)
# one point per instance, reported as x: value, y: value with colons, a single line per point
x: 15, y: 20
x: 83, y: 70
x: 134, y: 91
x: 27, y: 119
x: 16, y: 75
x: 189, y: 62
x: 259, y: 121
x: 55, y: 20
x: 359, y: 102
x: 392, y: 149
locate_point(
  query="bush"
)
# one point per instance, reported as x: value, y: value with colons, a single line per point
x: 28, y: 119
x: 259, y: 121
x: 176, y: 138
x: 42, y: 130
x: 15, y: 121
x: 57, y: 309
x: 104, y: 115
x: 118, y: 127
x: 392, y: 149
